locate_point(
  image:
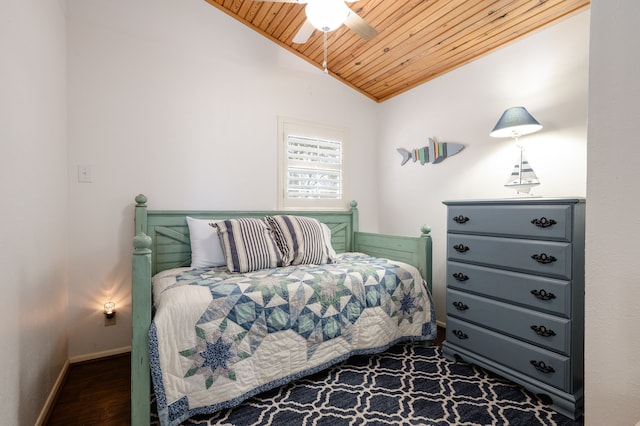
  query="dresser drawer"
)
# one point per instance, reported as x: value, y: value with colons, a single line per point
x: 540, y: 293
x: 547, y: 222
x: 535, y: 327
x: 540, y: 257
x: 552, y: 368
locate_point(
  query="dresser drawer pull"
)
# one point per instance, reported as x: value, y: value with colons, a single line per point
x: 542, y: 367
x: 459, y: 276
x: 543, y: 258
x: 460, y: 306
x: 460, y: 219
x: 459, y: 334
x: 543, y: 222
x: 543, y: 294
x: 460, y: 248
x: 543, y: 331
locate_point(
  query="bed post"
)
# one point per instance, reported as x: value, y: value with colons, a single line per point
x: 425, y: 252
x: 141, y: 317
x: 354, y: 224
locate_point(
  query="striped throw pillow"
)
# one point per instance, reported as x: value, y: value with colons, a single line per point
x: 301, y: 240
x: 248, y: 245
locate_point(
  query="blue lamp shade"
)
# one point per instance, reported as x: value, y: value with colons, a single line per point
x: 515, y: 122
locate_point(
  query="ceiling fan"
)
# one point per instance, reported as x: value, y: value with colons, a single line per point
x: 328, y: 15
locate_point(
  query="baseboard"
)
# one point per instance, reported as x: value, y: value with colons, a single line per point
x: 98, y: 355
x: 441, y: 324
x: 53, y: 395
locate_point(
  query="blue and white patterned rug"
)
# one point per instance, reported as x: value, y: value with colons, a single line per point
x: 408, y: 384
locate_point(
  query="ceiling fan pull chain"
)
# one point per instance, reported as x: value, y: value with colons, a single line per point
x: 324, y: 63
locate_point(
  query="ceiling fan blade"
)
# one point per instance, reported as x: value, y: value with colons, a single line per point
x: 283, y: 1
x: 360, y: 26
x: 304, y: 33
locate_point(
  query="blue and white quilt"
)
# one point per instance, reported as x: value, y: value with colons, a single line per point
x: 218, y: 338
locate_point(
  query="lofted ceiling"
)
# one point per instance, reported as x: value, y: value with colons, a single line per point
x: 417, y: 40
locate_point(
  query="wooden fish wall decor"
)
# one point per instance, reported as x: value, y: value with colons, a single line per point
x: 434, y: 153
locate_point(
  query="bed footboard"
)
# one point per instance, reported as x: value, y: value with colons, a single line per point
x: 415, y: 251
x: 140, y: 319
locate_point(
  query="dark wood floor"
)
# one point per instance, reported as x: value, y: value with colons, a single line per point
x: 97, y: 393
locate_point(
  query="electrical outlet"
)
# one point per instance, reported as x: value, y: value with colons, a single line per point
x: 109, y: 321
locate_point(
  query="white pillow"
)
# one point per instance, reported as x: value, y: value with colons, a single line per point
x: 327, y: 240
x: 206, y: 250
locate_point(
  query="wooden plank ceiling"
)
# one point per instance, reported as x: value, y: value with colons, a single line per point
x: 417, y: 40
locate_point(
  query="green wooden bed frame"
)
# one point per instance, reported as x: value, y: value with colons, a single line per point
x: 162, y: 242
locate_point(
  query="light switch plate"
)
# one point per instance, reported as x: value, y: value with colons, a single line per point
x: 84, y: 173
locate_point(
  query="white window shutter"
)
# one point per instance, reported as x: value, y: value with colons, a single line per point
x: 312, y: 162
x: 314, y: 168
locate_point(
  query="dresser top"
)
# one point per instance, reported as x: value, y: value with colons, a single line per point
x: 518, y: 200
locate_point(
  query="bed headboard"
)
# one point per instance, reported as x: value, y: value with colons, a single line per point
x: 169, y: 233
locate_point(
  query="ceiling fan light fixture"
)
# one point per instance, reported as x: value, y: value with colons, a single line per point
x: 327, y: 15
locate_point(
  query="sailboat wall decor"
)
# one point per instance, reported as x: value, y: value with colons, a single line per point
x: 522, y: 178
x: 434, y: 153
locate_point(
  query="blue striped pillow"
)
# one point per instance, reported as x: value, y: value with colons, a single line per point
x: 248, y: 245
x: 301, y: 240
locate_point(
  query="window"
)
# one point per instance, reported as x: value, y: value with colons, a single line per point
x: 311, y: 165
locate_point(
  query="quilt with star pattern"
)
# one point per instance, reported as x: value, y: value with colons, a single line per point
x: 218, y: 338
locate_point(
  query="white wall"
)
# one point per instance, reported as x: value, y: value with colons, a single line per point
x: 612, y: 355
x: 33, y: 189
x: 178, y: 101
x: 160, y: 105
x: 546, y: 72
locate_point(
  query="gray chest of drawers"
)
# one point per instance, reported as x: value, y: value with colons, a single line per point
x: 515, y: 293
